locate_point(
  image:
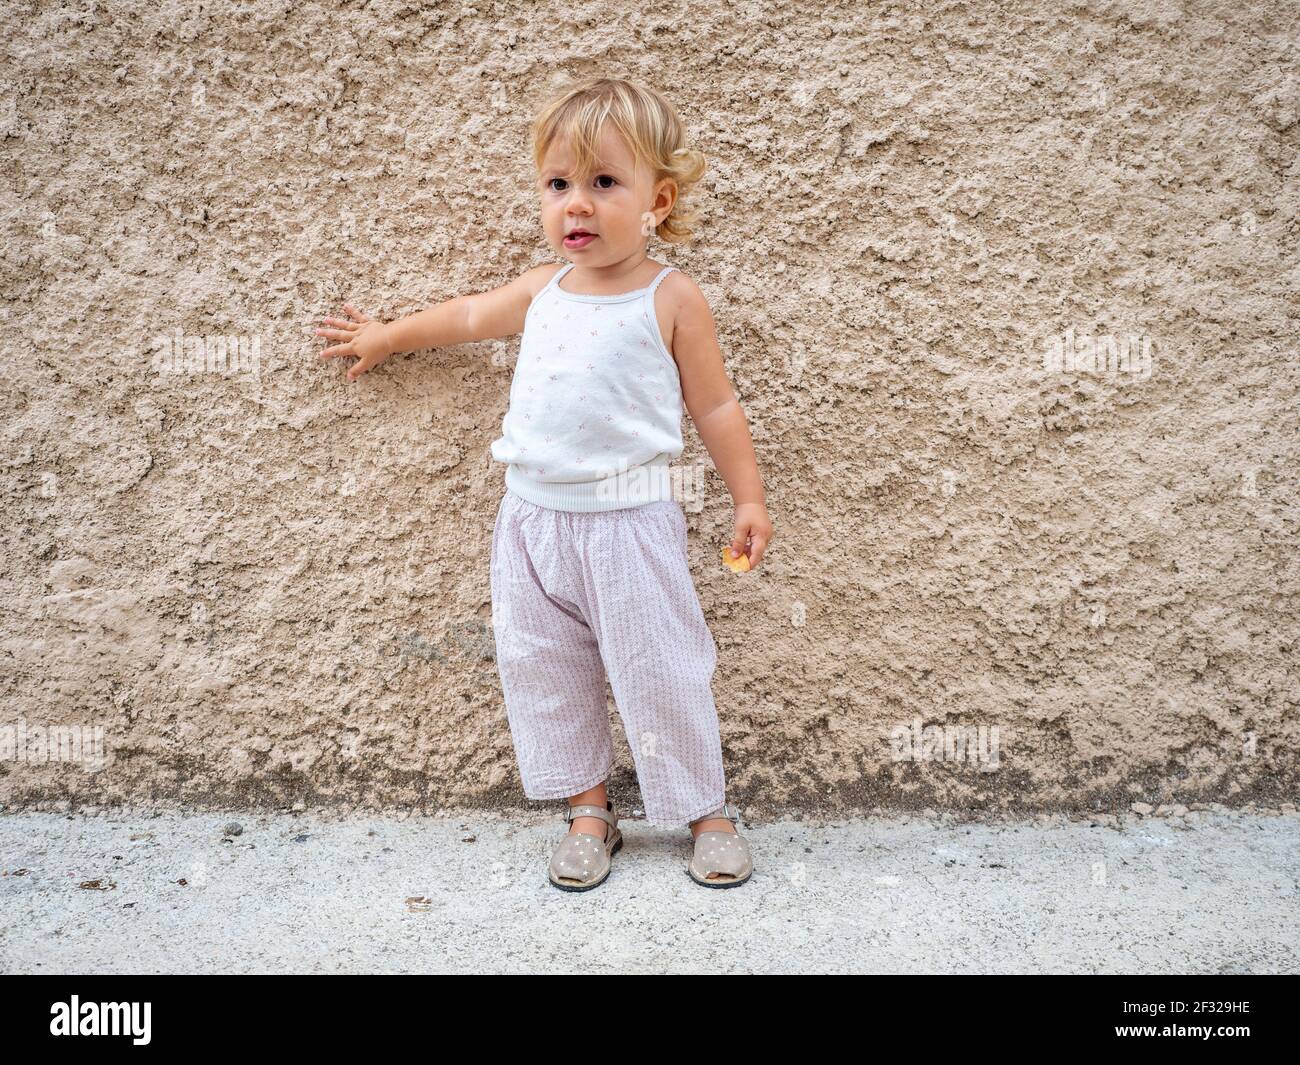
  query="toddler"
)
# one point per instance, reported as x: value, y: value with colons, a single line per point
x: 589, y: 569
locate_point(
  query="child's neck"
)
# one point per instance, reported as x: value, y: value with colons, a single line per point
x: 612, y: 279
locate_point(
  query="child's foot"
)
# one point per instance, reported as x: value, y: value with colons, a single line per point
x: 720, y: 862
x: 579, y: 862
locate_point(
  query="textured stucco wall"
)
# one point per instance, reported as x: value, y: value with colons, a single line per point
x: 266, y: 585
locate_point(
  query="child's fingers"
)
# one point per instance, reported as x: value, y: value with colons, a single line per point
x: 358, y: 315
x: 337, y: 350
x: 339, y: 322
x: 750, y: 543
x: 336, y: 334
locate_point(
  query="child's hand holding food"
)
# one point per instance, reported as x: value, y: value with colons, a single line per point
x: 364, y: 337
x: 753, y: 531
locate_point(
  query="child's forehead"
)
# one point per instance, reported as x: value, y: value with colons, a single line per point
x: 611, y: 151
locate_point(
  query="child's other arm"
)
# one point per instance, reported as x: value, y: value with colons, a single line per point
x: 718, y: 417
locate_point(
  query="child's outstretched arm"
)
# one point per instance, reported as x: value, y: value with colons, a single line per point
x: 707, y: 394
x: 482, y: 316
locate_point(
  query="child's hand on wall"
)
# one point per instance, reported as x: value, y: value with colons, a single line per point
x: 753, y: 531
x: 365, y: 338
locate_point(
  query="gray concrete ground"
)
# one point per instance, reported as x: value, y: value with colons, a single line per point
x: 1213, y: 891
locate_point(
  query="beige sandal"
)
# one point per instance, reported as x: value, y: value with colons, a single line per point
x: 582, y: 860
x: 724, y: 853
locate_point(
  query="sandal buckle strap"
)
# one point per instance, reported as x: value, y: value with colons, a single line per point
x: 583, y: 810
x: 725, y: 810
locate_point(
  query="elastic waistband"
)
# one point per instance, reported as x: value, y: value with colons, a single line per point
x: 650, y: 482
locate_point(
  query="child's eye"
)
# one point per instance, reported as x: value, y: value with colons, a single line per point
x: 599, y: 178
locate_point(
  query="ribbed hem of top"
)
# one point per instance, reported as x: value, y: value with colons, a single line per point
x: 648, y: 482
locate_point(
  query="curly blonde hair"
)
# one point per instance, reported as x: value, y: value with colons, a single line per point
x: 647, y: 122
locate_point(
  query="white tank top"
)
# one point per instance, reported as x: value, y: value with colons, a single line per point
x: 595, y: 412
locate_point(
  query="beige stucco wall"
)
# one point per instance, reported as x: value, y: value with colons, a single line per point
x: 267, y: 585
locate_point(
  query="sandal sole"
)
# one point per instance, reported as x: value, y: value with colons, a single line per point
x: 718, y: 883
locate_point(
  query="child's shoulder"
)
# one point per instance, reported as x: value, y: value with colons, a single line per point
x: 680, y: 292
x: 539, y: 277
x: 678, y: 280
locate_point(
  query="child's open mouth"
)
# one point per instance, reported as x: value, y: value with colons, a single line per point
x: 578, y: 239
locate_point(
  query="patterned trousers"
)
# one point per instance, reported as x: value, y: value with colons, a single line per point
x: 578, y: 597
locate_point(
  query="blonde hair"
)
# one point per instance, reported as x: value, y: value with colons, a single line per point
x: 646, y: 121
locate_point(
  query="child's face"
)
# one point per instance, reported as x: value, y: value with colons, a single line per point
x: 609, y: 202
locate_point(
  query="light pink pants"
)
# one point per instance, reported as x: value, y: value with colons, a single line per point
x: 581, y: 596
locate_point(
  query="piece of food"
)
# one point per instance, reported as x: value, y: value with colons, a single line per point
x: 736, y: 563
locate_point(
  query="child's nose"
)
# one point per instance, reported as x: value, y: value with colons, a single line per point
x: 580, y: 203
